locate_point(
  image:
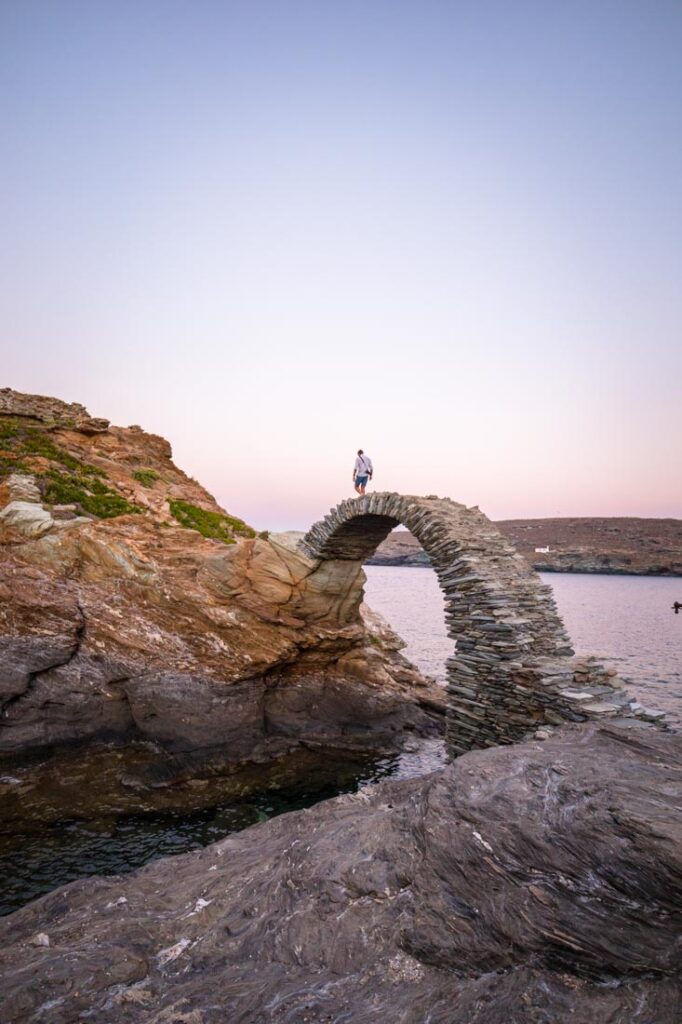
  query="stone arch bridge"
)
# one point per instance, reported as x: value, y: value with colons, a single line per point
x: 513, y: 668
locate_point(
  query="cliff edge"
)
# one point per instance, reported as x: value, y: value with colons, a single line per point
x: 132, y: 606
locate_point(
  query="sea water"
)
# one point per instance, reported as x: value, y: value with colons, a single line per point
x: 626, y: 620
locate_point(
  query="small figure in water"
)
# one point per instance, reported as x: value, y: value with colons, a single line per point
x: 676, y: 607
x: 362, y: 471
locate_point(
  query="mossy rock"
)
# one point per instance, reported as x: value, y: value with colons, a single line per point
x: 10, y: 459
x: 89, y: 493
x: 11, y: 464
x: 9, y: 428
x: 146, y: 477
x: 20, y: 441
x: 36, y: 443
x: 215, y: 525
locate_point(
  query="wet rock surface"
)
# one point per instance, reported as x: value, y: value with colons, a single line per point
x: 540, y: 882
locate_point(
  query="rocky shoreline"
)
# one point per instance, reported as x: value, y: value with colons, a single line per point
x: 624, y: 547
x: 139, y: 609
x: 534, y: 882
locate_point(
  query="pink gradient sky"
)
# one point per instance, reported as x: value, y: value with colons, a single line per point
x: 449, y: 234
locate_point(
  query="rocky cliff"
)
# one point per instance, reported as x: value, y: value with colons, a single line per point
x: 532, y: 883
x: 644, y: 547
x: 133, y: 607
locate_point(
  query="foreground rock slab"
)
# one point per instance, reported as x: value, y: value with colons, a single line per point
x: 534, y: 883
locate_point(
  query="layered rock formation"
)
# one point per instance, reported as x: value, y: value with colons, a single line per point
x: 133, y: 607
x: 533, y: 883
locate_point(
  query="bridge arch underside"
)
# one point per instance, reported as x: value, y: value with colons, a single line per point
x: 512, y: 656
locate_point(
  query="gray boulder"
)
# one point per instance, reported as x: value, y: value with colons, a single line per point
x: 533, y: 883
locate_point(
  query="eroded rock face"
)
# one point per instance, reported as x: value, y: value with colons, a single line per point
x: 48, y: 446
x: 534, y: 883
x: 120, y: 628
x: 132, y: 626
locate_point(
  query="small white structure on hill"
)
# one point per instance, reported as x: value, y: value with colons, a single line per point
x: 542, y: 551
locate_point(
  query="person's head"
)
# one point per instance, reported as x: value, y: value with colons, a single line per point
x: 360, y: 451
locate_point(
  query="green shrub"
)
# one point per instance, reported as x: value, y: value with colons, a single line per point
x: 9, y: 464
x: 216, y: 525
x: 147, y: 477
x: 10, y: 461
x: 8, y: 429
x: 37, y: 443
x: 21, y: 440
x: 90, y: 494
x: 72, y: 483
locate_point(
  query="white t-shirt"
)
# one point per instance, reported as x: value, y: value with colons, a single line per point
x: 363, y: 465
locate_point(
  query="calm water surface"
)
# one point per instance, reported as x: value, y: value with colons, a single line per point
x: 626, y: 620
x: 47, y: 838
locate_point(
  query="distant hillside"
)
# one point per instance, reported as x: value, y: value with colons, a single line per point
x: 648, y: 547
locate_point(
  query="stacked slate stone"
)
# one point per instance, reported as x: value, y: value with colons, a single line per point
x: 513, y: 670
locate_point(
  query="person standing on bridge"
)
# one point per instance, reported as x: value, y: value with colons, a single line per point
x: 363, y: 471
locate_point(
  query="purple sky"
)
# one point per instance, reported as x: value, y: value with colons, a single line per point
x: 449, y: 233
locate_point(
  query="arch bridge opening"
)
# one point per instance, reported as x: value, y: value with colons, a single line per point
x: 512, y: 668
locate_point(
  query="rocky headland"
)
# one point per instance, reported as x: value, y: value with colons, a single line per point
x: 133, y: 607
x: 623, y: 546
x: 531, y: 883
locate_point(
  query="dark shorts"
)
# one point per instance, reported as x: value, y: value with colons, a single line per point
x: 361, y: 481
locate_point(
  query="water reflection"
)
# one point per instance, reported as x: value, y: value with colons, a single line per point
x: 127, y: 816
x: 43, y: 845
